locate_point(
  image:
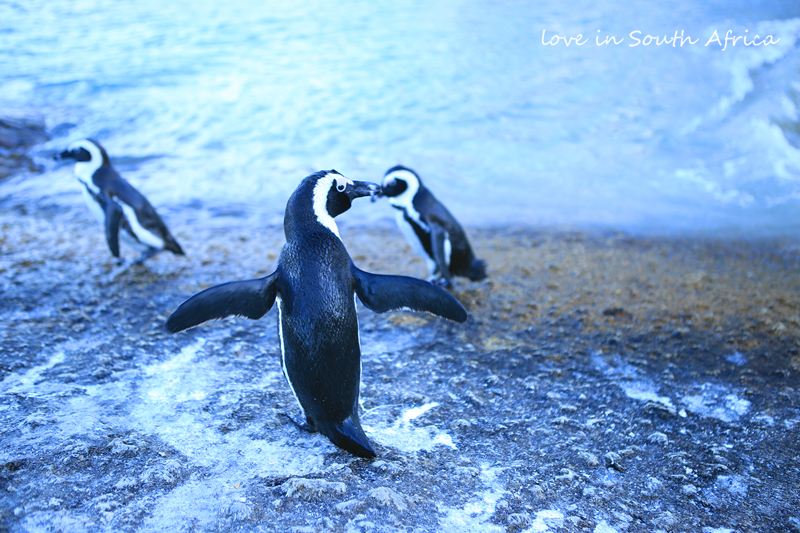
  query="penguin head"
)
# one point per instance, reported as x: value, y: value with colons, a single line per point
x: 328, y: 194
x: 334, y: 193
x: 85, y: 151
x: 400, y: 184
x: 88, y: 156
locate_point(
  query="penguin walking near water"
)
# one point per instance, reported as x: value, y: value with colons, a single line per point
x: 125, y: 212
x: 316, y: 285
x: 430, y: 229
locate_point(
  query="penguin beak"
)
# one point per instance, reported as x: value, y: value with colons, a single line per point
x: 66, y: 154
x: 363, y: 188
x: 388, y: 189
x: 78, y: 154
x: 383, y: 192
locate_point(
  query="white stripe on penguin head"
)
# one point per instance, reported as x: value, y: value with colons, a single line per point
x: 320, y: 198
x: 405, y: 199
x: 84, y: 170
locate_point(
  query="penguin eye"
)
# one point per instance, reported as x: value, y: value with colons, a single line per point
x: 341, y: 187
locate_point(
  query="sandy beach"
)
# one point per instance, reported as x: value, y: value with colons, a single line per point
x: 603, y: 382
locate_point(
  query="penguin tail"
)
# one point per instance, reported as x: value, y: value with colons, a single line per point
x: 348, y: 436
x: 173, y: 246
x: 477, y: 270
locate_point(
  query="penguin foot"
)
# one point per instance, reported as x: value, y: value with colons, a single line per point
x: 437, y: 279
x: 122, y: 266
x: 146, y: 255
x: 442, y: 282
x: 305, y: 426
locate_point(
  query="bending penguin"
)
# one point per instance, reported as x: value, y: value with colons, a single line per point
x: 430, y: 229
x: 125, y: 212
x: 315, y: 285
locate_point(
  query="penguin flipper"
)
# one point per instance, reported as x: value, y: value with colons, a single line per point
x: 113, y: 220
x: 251, y: 298
x: 382, y: 293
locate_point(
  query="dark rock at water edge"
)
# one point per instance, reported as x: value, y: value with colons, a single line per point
x: 17, y: 136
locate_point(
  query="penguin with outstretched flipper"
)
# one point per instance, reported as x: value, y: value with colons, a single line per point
x: 315, y: 286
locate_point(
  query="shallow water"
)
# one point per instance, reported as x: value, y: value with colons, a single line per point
x: 238, y: 102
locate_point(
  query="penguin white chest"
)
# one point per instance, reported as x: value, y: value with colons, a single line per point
x: 84, y: 173
x: 92, y: 204
x: 412, y: 239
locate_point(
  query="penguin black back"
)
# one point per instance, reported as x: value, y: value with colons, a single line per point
x: 321, y: 351
x: 315, y: 285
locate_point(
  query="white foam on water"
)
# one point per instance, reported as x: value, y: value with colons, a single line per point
x: 738, y: 59
x: 703, y: 179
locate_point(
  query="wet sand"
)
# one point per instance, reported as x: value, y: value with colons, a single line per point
x: 602, y: 383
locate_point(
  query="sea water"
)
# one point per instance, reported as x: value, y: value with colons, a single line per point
x: 650, y: 117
